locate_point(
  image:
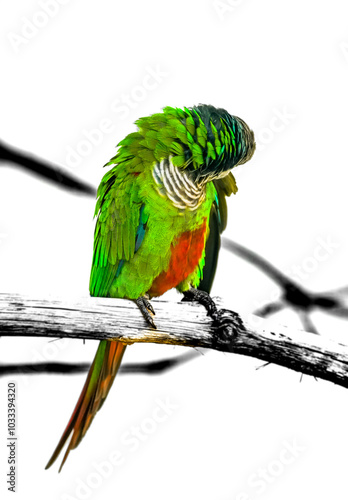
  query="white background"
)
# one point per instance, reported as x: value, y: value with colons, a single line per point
x: 258, y: 60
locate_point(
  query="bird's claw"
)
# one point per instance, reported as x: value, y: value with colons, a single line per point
x: 146, y: 310
x: 226, y: 323
x: 202, y: 298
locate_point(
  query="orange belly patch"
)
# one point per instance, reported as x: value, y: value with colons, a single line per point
x: 185, y: 256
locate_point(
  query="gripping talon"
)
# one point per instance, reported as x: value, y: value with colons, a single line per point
x: 226, y: 322
x: 146, y: 310
x: 149, y: 307
x: 202, y: 298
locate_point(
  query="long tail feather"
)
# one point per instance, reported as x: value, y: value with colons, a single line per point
x: 98, y: 383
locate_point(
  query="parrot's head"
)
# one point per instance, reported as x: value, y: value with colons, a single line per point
x: 222, y: 142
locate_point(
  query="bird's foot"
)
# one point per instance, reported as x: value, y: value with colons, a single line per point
x: 202, y: 298
x: 227, y: 323
x: 147, y: 310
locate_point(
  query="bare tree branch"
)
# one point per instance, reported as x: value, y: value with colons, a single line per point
x: 182, y: 323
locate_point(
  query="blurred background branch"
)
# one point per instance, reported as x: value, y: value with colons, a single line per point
x: 42, y: 168
x: 149, y: 368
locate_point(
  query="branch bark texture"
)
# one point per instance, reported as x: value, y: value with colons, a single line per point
x: 182, y: 323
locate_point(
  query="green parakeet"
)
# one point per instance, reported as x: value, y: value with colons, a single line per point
x: 164, y: 193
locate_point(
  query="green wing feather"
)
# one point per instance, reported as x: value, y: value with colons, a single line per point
x: 115, y: 231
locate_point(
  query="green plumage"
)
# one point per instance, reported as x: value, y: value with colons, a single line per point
x: 201, y: 141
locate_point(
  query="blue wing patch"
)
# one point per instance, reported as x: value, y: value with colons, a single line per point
x: 139, y: 236
x: 218, y: 208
